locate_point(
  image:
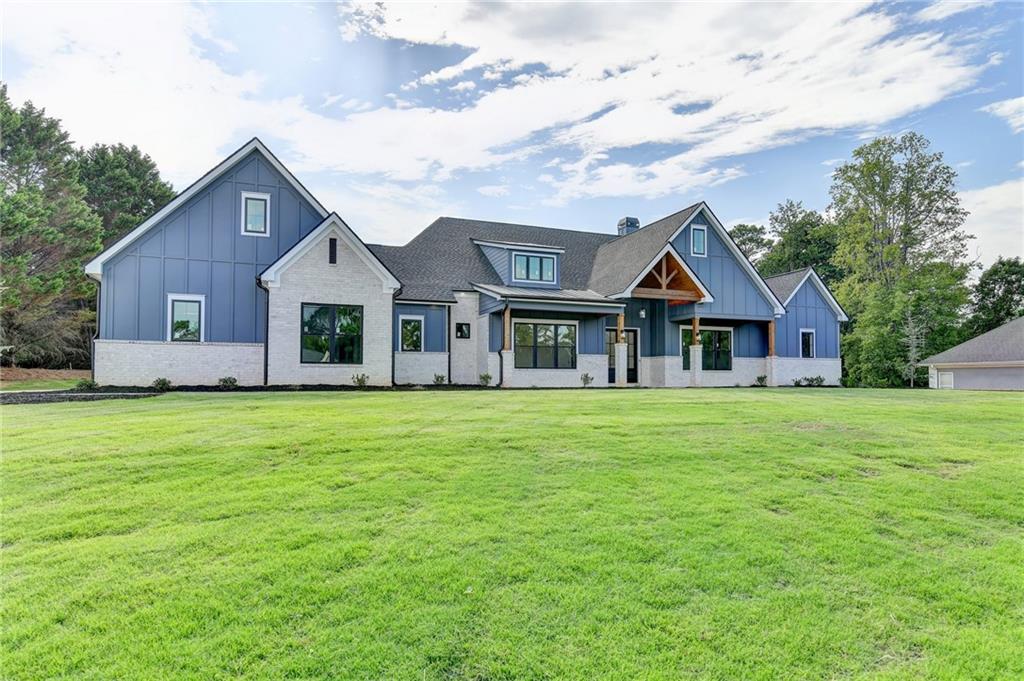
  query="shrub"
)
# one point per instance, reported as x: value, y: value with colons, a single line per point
x: 161, y: 385
x: 86, y: 384
x: 761, y: 381
x: 360, y: 380
x: 438, y: 379
x: 485, y: 379
x: 227, y: 383
x: 586, y: 380
x: 797, y: 382
x: 814, y: 381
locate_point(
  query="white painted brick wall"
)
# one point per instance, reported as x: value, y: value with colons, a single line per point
x: 788, y: 368
x: 659, y: 372
x: 464, y: 350
x: 745, y: 371
x: 311, y: 279
x: 418, y: 368
x: 595, y: 365
x: 139, y: 363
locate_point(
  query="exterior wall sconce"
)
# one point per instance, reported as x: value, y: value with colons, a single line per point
x: 643, y: 314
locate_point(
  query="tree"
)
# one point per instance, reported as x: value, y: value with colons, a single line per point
x: 901, y: 245
x: 803, y: 238
x: 913, y: 338
x: 48, y: 231
x: 123, y: 187
x: 752, y: 240
x: 998, y: 296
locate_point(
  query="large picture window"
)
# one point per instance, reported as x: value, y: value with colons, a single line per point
x: 332, y: 334
x: 533, y: 268
x: 716, y: 354
x: 544, y: 346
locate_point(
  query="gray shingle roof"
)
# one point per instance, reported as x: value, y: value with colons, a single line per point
x: 443, y: 258
x: 1002, y: 344
x: 620, y: 260
x: 563, y: 294
x: 783, y: 285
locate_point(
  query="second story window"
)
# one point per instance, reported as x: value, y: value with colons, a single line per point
x: 533, y: 268
x: 255, y: 214
x: 699, y: 241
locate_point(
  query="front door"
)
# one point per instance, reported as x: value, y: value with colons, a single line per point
x: 631, y: 354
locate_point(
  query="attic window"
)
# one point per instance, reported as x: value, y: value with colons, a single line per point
x: 255, y: 214
x: 699, y: 241
x: 332, y: 251
x: 533, y: 268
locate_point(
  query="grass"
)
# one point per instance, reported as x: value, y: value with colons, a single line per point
x: 531, y: 534
x: 39, y: 384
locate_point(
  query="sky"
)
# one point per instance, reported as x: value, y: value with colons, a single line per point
x: 566, y: 116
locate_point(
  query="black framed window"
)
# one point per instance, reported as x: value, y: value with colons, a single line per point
x: 462, y: 330
x: 699, y: 241
x: 716, y: 354
x: 255, y: 215
x: 332, y: 334
x: 411, y: 333
x: 186, y: 320
x: 332, y: 251
x: 807, y: 344
x: 534, y: 268
x: 544, y: 346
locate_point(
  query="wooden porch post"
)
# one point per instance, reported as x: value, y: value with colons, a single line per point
x: 695, y: 330
x: 620, y: 328
x: 771, y: 338
x: 507, y: 326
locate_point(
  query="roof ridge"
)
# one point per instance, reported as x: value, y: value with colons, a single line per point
x: 519, y: 224
x: 782, y: 274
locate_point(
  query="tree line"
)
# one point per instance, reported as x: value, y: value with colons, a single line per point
x: 892, y: 248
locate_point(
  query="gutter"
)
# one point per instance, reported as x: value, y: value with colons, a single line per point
x: 266, y: 331
x: 448, y: 341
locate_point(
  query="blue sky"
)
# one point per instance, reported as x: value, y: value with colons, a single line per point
x: 562, y: 115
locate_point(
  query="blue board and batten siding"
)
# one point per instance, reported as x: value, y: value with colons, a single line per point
x: 435, y: 325
x: 807, y: 309
x: 730, y: 284
x: 199, y: 249
x: 502, y: 261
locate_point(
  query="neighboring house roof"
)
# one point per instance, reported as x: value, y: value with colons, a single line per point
x: 1002, y: 344
x: 444, y: 258
x: 94, y: 268
x: 785, y: 286
x: 271, y: 275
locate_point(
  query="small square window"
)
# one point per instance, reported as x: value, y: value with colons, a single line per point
x: 255, y: 214
x: 462, y: 330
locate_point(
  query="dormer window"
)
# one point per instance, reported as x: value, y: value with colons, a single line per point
x: 699, y: 241
x: 533, y: 268
x: 255, y: 214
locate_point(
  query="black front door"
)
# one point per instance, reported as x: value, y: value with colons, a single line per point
x: 631, y: 354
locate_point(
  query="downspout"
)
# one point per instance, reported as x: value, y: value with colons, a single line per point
x: 266, y: 331
x: 448, y: 340
x: 501, y: 350
x: 95, y: 334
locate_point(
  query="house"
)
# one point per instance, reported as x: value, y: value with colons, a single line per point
x: 991, y: 361
x: 246, y: 274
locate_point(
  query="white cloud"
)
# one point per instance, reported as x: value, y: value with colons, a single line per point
x: 832, y: 161
x: 330, y: 99
x: 997, y: 219
x: 463, y: 86
x: 1011, y: 110
x: 965, y: 164
x: 944, y: 9
x: 493, y: 190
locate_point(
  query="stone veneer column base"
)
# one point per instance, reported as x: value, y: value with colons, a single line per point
x: 621, y: 364
x: 696, y: 362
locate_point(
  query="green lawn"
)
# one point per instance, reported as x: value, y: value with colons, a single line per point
x: 39, y: 384
x: 527, y: 534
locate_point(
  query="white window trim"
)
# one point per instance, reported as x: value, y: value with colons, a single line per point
x: 423, y: 330
x: 255, y: 195
x: 201, y: 299
x: 553, y: 282
x: 732, y: 344
x: 559, y: 322
x: 814, y: 343
x: 693, y: 230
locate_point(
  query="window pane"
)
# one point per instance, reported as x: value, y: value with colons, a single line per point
x: 806, y: 344
x: 256, y: 215
x: 698, y: 241
x: 349, y: 349
x: 545, y: 335
x: 462, y: 330
x: 567, y: 335
x: 545, y: 357
x: 548, y: 269
x: 316, y: 349
x: 185, y: 320
x: 316, y: 319
x: 412, y: 335
x: 534, y: 273
x: 566, y: 358
x: 524, y: 334
x: 520, y: 272
x: 524, y: 357
x: 348, y: 320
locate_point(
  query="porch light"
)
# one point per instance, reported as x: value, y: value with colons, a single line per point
x: 643, y: 314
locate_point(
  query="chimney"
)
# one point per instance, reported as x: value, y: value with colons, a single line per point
x: 628, y: 226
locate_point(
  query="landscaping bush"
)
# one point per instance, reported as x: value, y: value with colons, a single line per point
x: 360, y: 380
x: 227, y: 383
x: 814, y: 381
x: 586, y: 380
x: 797, y: 382
x: 87, y: 384
x: 161, y: 385
x: 438, y: 379
x: 761, y: 381
x: 485, y: 379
